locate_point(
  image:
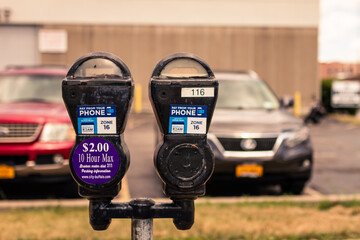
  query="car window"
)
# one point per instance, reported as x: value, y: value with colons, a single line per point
x: 245, y: 94
x: 30, y: 88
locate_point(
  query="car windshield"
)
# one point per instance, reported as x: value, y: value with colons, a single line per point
x: 245, y: 94
x: 30, y: 88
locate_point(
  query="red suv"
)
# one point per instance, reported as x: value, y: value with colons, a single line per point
x: 36, y: 135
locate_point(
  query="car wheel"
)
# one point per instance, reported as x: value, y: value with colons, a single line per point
x: 295, y: 187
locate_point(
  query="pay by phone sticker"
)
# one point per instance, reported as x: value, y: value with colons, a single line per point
x: 95, y: 161
x: 188, y: 119
x: 96, y: 119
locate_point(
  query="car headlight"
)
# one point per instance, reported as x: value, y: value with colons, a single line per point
x: 57, y: 132
x: 297, y: 137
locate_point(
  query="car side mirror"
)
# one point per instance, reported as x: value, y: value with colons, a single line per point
x: 287, y: 102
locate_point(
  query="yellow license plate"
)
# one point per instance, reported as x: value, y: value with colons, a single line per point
x: 7, y: 172
x: 251, y: 171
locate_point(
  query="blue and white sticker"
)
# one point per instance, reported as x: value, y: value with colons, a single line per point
x: 96, y: 119
x: 187, y: 119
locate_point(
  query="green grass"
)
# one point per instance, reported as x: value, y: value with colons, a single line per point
x: 322, y: 205
x: 289, y: 237
x: 245, y: 220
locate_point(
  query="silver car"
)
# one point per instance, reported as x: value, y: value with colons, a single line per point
x: 255, y: 139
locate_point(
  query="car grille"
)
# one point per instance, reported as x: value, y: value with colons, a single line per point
x: 14, y: 160
x: 234, y: 144
x: 18, y: 132
x: 44, y: 159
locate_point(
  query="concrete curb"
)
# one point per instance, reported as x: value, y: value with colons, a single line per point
x: 298, y: 199
x: 23, y: 204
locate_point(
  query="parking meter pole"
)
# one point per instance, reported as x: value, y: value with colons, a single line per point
x: 142, y: 229
x: 142, y: 219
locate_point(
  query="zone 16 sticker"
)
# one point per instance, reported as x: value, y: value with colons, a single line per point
x: 95, y: 161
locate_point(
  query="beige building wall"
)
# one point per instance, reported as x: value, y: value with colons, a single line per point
x: 286, y: 58
x: 276, y: 38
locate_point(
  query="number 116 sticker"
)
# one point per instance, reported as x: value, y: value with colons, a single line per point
x: 197, y: 92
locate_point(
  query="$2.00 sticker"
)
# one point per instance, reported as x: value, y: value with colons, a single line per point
x: 95, y: 161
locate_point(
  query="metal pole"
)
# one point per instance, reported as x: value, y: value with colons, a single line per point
x: 142, y: 229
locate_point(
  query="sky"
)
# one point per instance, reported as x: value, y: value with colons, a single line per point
x: 339, y: 31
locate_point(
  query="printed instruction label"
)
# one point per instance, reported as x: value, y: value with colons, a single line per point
x: 96, y: 119
x: 197, y: 92
x: 95, y: 161
x: 188, y: 119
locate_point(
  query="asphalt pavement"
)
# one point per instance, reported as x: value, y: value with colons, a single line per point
x: 336, y: 159
x: 140, y: 139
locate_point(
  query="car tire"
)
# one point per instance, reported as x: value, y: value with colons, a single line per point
x: 294, y: 187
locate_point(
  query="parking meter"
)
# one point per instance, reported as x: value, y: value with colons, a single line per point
x: 183, y: 93
x: 98, y: 91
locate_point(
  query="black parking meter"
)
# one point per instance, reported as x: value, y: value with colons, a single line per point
x: 183, y: 93
x: 98, y: 91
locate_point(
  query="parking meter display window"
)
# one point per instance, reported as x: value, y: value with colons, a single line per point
x: 187, y: 119
x: 95, y: 161
x: 98, y: 68
x: 96, y: 119
x: 183, y: 68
